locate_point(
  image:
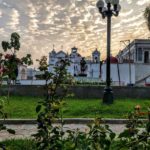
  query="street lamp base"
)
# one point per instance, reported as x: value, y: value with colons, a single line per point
x: 108, y: 96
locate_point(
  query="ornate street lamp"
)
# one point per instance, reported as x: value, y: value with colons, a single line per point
x: 108, y: 8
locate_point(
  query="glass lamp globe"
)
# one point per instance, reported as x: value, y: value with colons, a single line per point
x: 100, y: 4
x: 108, y: 1
x: 118, y: 7
x: 115, y: 2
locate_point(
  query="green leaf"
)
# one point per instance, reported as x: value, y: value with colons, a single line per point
x: 112, y: 135
x: 5, y: 45
x: 125, y: 133
x: 1, y: 106
x: 148, y: 127
x: 2, y: 127
x: 11, y: 131
x: 38, y: 108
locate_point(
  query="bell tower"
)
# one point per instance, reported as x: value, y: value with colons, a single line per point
x: 96, y: 56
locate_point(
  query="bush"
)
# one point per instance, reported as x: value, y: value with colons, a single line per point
x: 99, y: 137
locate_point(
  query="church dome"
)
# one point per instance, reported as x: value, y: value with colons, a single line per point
x: 113, y: 60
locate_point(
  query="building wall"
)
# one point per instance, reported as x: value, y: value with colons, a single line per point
x: 93, y: 70
x: 31, y: 74
x: 138, y: 72
x: 32, y: 82
x: 124, y: 73
x: 141, y: 71
x: 74, y: 69
x: 22, y: 72
x: 137, y: 49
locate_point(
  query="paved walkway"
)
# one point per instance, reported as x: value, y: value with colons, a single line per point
x: 26, y: 130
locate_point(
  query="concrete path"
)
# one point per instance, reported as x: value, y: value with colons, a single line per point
x: 26, y: 130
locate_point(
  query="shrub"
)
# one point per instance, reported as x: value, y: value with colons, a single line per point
x: 99, y: 136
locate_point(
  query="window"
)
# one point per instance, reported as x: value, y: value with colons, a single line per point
x: 146, y: 57
x: 140, y: 54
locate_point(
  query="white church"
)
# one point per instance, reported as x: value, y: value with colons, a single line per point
x: 91, y: 68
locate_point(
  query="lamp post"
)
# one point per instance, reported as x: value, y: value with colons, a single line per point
x: 108, y: 8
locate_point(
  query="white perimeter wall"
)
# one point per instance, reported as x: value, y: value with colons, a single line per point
x: 141, y: 71
x: 124, y: 73
x: 123, y: 68
x: 93, y: 70
x: 32, y: 82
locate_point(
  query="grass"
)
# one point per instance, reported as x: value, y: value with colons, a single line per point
x: 24, y: 107
x: 19, y: 144
x: 95, y: 108
x: 29, y: 144
x: 21, y: 107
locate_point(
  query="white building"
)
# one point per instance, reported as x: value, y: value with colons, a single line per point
x: 139, y: 51
x: 91, y: 67
x: 22, y: 72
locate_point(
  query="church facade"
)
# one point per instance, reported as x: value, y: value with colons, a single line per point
x: 79, y: 66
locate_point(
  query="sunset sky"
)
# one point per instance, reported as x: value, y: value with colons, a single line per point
x: 68, y: 23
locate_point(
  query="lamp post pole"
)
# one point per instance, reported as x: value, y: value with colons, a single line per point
x: 108, y: 12
x: 108, y: 94
x: 108, y: 48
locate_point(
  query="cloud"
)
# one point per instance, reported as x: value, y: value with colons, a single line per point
x: 142, y: 2
x: 14, y: 19
x: 69, y: 23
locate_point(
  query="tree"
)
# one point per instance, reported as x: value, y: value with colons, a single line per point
x: 49, y: 109
x: 147, y: 16
x: 9, y: 67
x: 43, y: 67
x: 10, y: 62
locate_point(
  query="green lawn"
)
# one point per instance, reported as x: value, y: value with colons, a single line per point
x: 29, y: 144
x: 19, y: 144
x: 24, y: 107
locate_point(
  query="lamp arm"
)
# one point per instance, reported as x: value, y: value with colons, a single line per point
x: 115, y: 13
